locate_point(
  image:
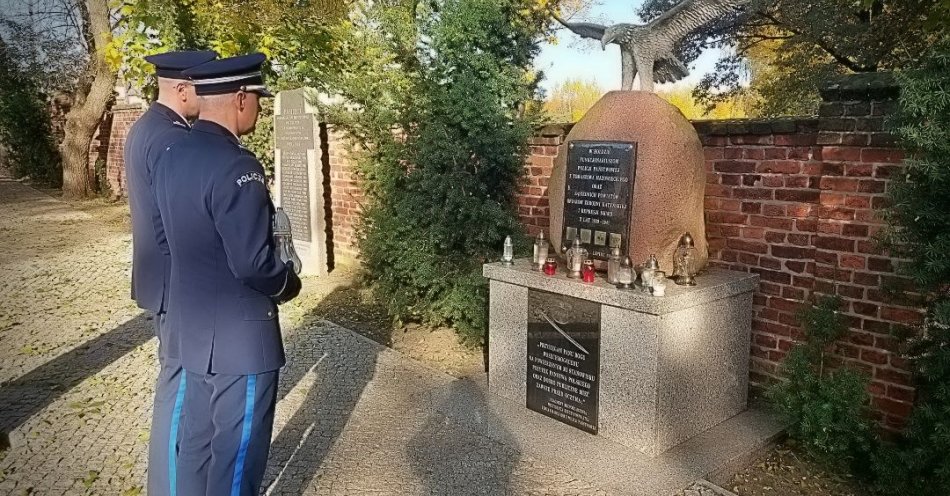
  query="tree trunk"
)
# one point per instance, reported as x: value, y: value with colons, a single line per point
x: 90, y: 102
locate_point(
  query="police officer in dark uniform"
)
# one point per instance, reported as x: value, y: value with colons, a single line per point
x: 226, y: 283
x: 164, y: 123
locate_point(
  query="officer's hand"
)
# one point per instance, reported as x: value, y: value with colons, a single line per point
x: 291, y: 288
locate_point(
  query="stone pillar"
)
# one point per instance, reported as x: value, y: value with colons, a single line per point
x: 299, y: 176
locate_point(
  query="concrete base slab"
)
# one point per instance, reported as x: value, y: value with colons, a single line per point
x: 617, y: 468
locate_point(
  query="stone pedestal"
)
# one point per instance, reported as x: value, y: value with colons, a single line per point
x: 299, y: 176
x: 668, y: 368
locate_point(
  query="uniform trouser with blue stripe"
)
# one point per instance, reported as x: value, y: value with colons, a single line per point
x: 166, y: 415
x: 225, y: 433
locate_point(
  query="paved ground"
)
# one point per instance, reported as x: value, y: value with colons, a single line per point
x: 77, y: 367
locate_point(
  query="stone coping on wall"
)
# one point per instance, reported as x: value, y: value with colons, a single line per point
x: 780, y: 125
x: 867, y: 86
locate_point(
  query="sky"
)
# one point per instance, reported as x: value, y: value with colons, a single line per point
x: 573, y: 58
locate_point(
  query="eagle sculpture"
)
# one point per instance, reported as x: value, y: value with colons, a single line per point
x: 648, y: 48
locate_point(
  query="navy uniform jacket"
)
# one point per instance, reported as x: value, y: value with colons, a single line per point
x: 217, y: 214
x: 151, y: 134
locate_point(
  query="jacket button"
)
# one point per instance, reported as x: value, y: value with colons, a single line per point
x: 270, y: 314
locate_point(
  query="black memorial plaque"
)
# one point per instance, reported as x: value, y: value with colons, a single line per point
x: 293, y: 133
x: 564, y: 358
x: 600, y: 176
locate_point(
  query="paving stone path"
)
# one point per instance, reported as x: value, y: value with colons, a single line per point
x: 77, y: 368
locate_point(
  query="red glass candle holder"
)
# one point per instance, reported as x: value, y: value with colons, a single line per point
x: 550, y: 266
x: 587, y: 272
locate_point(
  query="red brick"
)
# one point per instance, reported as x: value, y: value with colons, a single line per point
x: 791, y: 252
x: 749, y: 246
x: 839, y: 184
x: 871, y: 186
x: 800, y: 239
x: 807, y: 196
x: 751, y: 207
x: 770, y: 263
x: 867, y: 279
x: 793, y: 293
x: 886, y: 171
x: 832, y: 274
x: 773, y: 210
x: 785, y: 305
x: 901, y: 315
x: 753, y: 153
x: 846, y: 350
x: 772, y: 222
x: 779, y: 166
x: 887, y: 343
x: 875, y: 357
x: 800, y: 211
x: 852, y: 261
x: 717, y: 190
x: 753, y: 193
x: 775, y: 237
x: 886, y: 155
x: 898, y: 408
x: 765, y: 341
x: 894, y: 376
x: 855, y: 292
x: 835, y: 244
x: 841, y: 153
x: 797, y: 181
x: 773, y: 276
x: 867, y: 309
x: 877, y: 388
x: 856, y: 201
x: 734, y: 166
x: 861, y: 338
x: 900, y: 393
x: 880, y: 264
x: 712, y: 153
x: 854, y: 230
x: 748, y: 258
x: 775, y: 153
x: 773, y: 181
x: 726, y: 217
x: 797, y: 267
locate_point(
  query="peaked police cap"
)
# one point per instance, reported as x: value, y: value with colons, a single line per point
x: 172, y: 64
x: 230, y: 75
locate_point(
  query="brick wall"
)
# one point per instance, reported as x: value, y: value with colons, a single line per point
x: 345, y: 194
x: 108, y: 144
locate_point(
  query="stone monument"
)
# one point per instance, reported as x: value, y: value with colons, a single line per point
x: 299, y: 176
x: 630, y: 174
x: 642, y: 369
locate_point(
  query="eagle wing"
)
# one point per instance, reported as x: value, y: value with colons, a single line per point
x: 584, y: 29
x: 668, y: 71
x: 688, y: 16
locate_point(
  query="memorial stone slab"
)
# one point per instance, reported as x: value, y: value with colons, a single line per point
x: 664, y: 176
x: 299, y: 176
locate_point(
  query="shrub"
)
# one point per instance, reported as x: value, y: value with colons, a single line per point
x: 25, y: 129
x: 827, y: 409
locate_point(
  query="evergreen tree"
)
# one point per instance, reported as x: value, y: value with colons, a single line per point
x: 919, y: 219
x: 439, y: 117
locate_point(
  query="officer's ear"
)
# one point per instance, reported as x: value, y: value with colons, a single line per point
x: 241, y: 100
x: 182, y: 89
